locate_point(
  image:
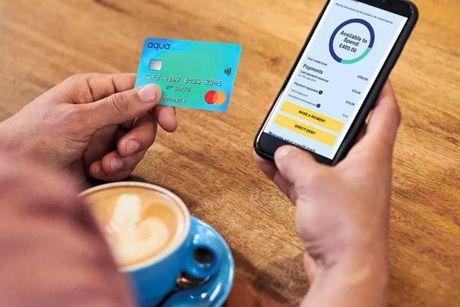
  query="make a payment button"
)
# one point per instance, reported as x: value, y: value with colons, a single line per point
x: 313, y: 117
x: 304, y: 129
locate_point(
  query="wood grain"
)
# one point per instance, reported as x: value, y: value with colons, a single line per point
x: 208, y: 161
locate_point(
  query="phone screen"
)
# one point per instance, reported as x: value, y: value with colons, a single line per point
x: 334, y: 75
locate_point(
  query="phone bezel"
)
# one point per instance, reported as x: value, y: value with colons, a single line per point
x: 265, y: 144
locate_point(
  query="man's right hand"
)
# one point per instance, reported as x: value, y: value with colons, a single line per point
x: 342, y: 212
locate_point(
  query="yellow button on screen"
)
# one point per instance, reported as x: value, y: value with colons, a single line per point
x: 311, y: 116
x: 304, y: 129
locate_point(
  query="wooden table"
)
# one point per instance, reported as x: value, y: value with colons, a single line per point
x: 208, y: 161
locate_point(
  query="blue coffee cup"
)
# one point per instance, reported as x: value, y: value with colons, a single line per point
x: 196, y: 253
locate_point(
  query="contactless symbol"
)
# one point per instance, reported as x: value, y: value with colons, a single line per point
x: 215, y: 97
x: 348, y: 39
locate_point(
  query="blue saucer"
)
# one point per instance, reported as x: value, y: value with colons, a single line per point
x: 215, y: 291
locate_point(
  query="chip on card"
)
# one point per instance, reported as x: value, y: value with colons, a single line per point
x: 191, y: 74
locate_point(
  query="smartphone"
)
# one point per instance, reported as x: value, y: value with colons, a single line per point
x: 337, y: 77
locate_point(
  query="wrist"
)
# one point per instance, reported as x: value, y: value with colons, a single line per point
x: 4, y: 143
x: 356, y: 278
x: 10, y: 137
x: 357, y: 265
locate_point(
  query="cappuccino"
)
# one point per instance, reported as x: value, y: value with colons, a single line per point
x: 139, y: 223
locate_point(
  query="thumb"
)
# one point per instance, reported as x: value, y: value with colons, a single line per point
x: 296, y: 165
x: 122, y: 106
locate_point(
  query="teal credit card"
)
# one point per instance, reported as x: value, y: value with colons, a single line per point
x: 191, y: 74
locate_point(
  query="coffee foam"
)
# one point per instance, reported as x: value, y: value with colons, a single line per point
x: 130, y: 237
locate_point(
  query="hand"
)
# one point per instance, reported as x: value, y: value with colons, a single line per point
x: 93, y: 125
x: 342, y: 212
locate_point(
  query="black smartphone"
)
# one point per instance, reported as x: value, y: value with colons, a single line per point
x: 337, y: 77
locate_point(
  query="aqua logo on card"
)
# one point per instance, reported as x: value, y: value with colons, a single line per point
x: 158, y: 46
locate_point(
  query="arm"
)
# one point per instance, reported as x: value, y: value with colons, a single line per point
x: 51, y: 251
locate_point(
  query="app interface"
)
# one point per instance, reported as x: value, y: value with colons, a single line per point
x: 334, y: 76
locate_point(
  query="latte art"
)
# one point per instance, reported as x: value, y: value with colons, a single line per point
x: 138, y: 223
x: 129, y: 236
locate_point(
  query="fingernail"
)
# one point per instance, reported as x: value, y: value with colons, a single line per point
x: 282, y: 152
x: 115, y: 164
x: 132, y: 147
x: 96, y: 168
x: 147, y: 93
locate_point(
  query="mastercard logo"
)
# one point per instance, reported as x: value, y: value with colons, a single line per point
x: 215, y: 97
